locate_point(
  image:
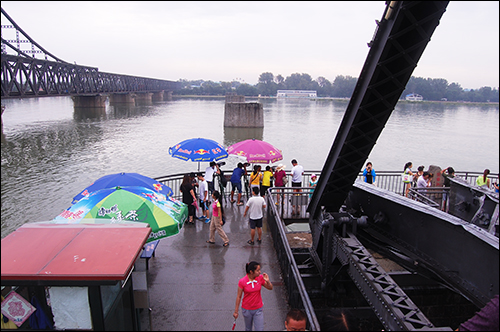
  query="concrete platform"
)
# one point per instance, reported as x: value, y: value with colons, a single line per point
x: 193, y: 284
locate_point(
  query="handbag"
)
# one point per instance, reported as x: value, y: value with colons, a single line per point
x: 285, y: 180
x: 407, y: 178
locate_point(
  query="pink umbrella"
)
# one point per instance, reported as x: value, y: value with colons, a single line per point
x: 255, y: 151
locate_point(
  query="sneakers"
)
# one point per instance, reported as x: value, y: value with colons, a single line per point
x: 240, y: 203
x: 207, y: 220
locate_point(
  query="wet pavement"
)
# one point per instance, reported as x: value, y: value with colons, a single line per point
x: 193, y: 284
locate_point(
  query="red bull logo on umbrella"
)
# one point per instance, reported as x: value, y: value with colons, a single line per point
x: 201, y: 151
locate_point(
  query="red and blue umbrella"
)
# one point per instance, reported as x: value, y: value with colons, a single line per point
x: 124, y: 180
x: 165, y: 215
x: 198, y: 149
x: 255, y: 151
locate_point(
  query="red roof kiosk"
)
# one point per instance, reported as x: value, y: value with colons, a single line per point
x: 80, y: 274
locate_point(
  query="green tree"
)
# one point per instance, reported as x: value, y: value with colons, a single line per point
x: 343, y: 86
x: 246, y: 90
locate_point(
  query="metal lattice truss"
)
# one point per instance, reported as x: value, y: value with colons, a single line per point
x: 402, y: 35
x: 395, y: 310
x: 18, y: 43
x: 28, y: 77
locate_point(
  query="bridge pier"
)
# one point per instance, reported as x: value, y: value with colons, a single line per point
x: 89, y: 106
x: 241, y: 114
x: 167, y: 95
x: 157, y: 96
x: 121, y: 98
x: 143, y: 98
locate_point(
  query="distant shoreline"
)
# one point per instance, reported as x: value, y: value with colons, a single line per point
x: 341, y: 99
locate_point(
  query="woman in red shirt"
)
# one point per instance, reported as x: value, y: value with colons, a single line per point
x: 251, y: 307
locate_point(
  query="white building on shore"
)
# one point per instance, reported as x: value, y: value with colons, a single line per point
x: 296, y: 94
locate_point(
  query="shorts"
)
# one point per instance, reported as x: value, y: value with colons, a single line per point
x: 236, y: 187
x: 296, y: 184
x: 203, y: 205
x: 255, y: 223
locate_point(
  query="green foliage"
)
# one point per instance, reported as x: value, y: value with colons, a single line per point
x: 342, y: 87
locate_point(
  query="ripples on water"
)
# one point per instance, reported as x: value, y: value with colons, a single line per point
x: 50, y: 152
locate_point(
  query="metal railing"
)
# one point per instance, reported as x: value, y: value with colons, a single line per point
x: 388, y: 180
x: 297, y: 293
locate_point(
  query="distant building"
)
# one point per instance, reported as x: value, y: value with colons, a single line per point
x: 296, y: 94
x: 414, y: 97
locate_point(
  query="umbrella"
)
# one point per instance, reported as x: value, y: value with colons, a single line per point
x: 165, y: 215
x: 124, y: 180
x: 198, y: 149
x: 255, y: 151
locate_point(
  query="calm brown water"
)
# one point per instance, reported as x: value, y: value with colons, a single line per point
x: 50, y: 153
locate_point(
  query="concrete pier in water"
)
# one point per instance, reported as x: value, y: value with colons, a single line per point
x: 237, y: 113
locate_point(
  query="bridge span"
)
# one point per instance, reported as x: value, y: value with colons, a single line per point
x: 23, y: 75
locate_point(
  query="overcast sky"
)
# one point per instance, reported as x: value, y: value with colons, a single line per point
x: 225, y: 41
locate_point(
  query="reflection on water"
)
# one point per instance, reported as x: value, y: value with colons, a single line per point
x: 51, y: 151
x: 234, y: 135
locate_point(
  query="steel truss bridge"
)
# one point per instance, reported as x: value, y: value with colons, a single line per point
x: 24, y: 75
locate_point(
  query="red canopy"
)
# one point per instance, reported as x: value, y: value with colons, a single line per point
x: 72, y: 252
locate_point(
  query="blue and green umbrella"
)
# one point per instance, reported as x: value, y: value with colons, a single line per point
x: 165, y: 215
x: 124, y: 180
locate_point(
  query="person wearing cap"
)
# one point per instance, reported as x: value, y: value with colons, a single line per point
x: 279, y: 175
x: 312, y: 183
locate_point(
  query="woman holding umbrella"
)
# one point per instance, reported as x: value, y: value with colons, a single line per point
x: 188, y: 197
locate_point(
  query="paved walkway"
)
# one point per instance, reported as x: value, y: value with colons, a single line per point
x: 193, y: 284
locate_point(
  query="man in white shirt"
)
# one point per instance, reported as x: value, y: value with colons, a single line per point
x: 209, y: 175
x: 255, y: 205
x: 296, y: 172
x: 203, y: 186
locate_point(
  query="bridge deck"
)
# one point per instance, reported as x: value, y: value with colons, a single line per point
x: 193, y: 285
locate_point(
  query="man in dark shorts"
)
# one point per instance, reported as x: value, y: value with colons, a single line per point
x: 296, y: 172
x: 255, y: 205
x: 238, y: 172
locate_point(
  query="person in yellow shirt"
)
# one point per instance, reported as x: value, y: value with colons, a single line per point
x: 483, y: 181
x: 256, y: 177
x: 266, y: 180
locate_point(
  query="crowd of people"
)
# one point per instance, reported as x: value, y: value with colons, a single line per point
x: 198, y: 192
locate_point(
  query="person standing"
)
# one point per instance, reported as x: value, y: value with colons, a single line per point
x: 209, y: 175
x: 238, y: 172
x: 407, y: 171
x: 279, y: 177
x: 266, y: 181
x: 217, y: 222
x: 296, y: 172
x: 313, y: 182
x: 256, y: 177
x: 255, y: 205
x: 249, y: 287
x: 369, y: 173
x: 447, y: 173
x: 203, y: 186
x: 483, y: 181
x: 188, y: 197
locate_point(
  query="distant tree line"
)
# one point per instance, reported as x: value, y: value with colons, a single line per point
x: 341, y: 87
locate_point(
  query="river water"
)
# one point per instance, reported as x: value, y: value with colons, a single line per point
x: 50, y: 152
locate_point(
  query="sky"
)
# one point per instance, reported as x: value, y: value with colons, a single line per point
x: 227, y: 41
